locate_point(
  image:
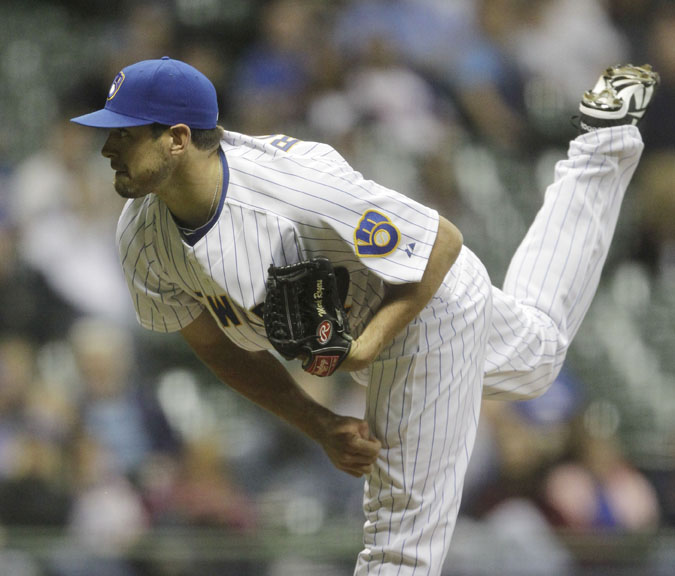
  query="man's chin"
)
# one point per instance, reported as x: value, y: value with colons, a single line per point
x: 122, y: 186
x: 125, y: 192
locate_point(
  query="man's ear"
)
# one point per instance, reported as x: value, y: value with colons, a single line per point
x: 180, y: 138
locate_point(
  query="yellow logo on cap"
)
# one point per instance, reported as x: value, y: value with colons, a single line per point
x: 114, y: 88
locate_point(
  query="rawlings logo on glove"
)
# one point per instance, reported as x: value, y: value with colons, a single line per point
x: 304, y: 317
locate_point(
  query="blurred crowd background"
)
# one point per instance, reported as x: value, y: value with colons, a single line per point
x: 121, y: 456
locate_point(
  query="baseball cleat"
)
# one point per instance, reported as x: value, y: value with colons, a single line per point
x: 621, y: 96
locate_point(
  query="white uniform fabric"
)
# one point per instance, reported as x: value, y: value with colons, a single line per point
x: 425, y: 389
x: 423, y: 404
x: 288, y: 200
x: 555, y: 272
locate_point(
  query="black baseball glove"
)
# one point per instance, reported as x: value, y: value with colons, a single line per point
x: 304, y: 316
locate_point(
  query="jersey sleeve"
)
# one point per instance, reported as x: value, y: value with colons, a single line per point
x: 160, y: 305
x: 390, y: 233
x: 335, y: 212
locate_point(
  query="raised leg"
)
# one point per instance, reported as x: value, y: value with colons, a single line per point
x: 555, y: 272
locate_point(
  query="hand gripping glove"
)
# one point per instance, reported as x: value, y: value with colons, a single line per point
x: 304, y: 316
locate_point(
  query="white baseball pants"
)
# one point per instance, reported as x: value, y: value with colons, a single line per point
x: 424, y: 392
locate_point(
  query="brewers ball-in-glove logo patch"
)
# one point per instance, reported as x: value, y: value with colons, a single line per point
x: 375, y: 235
x: 117, y: 82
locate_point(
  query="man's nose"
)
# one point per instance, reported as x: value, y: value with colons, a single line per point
x: 107, y: 151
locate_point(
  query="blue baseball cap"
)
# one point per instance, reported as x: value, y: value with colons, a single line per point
x: 165, y: 91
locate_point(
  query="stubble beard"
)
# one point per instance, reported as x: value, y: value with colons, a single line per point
x: 130, y: 187
x: 123, y: 186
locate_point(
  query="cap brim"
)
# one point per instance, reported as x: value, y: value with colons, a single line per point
x: 107, y: 119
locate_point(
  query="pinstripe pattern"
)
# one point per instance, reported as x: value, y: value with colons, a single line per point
x: 281, y: 205
x: 555, y: 272
x: 424, y: 390
x: 423, y: 402
x: 294, y: 200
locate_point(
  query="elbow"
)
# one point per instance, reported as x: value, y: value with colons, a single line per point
x: 458, y: 239
x: 452, y: 238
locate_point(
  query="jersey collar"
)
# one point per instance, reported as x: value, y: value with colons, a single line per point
x: 192, y: 236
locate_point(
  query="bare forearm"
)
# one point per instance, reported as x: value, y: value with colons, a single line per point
x: 258, y: 376
x: 347, y: 441
x: 261, y: 378
x: 264, y: 380
x: 397, y: 311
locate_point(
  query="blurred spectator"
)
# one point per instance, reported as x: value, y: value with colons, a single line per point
x: 66, y: 210
x: 32, y: 467
x: 383, y: 111
x: 599, y: 489
x: 461, y: 46
x: 567, y: 44
x: 487, y: 82
x: 549, y: 454
x: 29, y: 307
x: 195, y: 489
x: 632, y: 20
x: 147, y: 30
x: 513, y: 453
x: 17, y: 378
x: 115, y: 410
x: 272, y: 74
x: 659, y: 127
x: 430, y: 33
x: 107, y: 517
x: 203, y: 495
x: 394, y: 100
x: 656, y: 212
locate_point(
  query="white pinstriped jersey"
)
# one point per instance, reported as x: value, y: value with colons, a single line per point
x: 288, y: 200
x: 284, y: 200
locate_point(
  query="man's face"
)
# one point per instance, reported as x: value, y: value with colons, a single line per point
x: 141, y: 163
